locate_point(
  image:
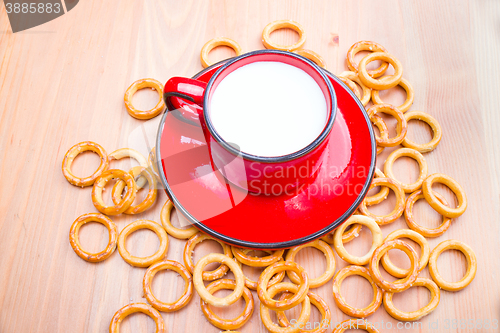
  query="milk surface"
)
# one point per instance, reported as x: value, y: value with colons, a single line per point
x: 268, y: 109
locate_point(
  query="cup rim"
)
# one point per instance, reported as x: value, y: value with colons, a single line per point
x: 271, y: 159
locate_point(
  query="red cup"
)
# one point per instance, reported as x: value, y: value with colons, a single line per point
x: 257, y: 174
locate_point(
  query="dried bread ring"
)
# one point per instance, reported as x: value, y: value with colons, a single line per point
x: 266, y: 297
x: 452, y: 244
x: 365, y: 45
x: 417, y: 238
x: 242, y: 256
x: 127, y: 199
x: 356, y: 324
x: 376, y: 241
x: 412, y: 224
x: 114, y: 326
x: 250, y: 284
x: 134, y: 154
x: 455, y: 187
x: 148, y: 281
x: 384, y: 82
x: 340, y: 301
x: 305, y: 312
x: 167, y: 224
x: 212, y: 44
x: 150, y: 198
x: 319, y: 303
x: 351, y: 85
x: 283, y: 24
x: 422, y: 312
x: 401, y: 128
x: 313, y: 56
x: 73, y: 152
x: 381, y: 195
x: 149, y: 260
x: 400, y: 201
x: 75, y: 241
x: 410, y: 96
x: 399, y: 285
x: 379, y: 122
x: 436, y: 129
x: 355, y: 78
x: 412, y: 153
x: 217, y: 273
x: 228, y: 324
x: 330, y: 263
x: 202, y: 290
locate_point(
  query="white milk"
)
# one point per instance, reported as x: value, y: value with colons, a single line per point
x: 268, y: 109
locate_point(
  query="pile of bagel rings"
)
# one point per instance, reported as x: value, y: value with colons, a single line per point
x: 279, y: 264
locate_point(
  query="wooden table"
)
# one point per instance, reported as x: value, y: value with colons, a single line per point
x: 63, y: 82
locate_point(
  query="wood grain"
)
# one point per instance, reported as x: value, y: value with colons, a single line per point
x: 63, y: 82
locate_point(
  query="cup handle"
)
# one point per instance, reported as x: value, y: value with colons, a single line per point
x: 187, y: 89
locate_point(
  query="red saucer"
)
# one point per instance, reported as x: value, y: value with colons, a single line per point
x: 230, y: 214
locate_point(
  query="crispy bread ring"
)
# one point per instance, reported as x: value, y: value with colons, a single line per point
x: 319, y: 303
x: 401, y: 129
x: 414, y: 315
x: 128, y: 152
x: 382, y: 127
x: 152, y: 163
x: 283, y: 24
x: 330, y: 263
x: 150, y: 198
x: 365, y: 45
x: 348, y: 235
x: 417, y: 238
x: 266, y: 298
x: 250, y: 284
x: 141, y: 84
x: 75, y: 242
x: 202, y: 290
x: 167, y: 224
x: 217, y: 273
x: 242, y: 256
x: 351, y: 85
x: 412, y: 224
x: 148, y: 281
x: 436, y: 129
x: 452, y: 244
x: 356, y: 324
x: 146, y: 261
x: 212, y: 44
x: 228, y: 324
x: 410, y: 96
x: 355, y: 78
x: 305, y: 312
x: 400, y: 201
x: 342, y: 304
x: 114, y: 326
x: 385, y: 82
x: 412, y: 153
x: 73, y: 152
x: 132, y: 153
x: 381, y: 195
x: 376, y: 234
x: 455, y: 187
x: 313, y: 56
x: 399, y: 285
x: 128, y: 198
